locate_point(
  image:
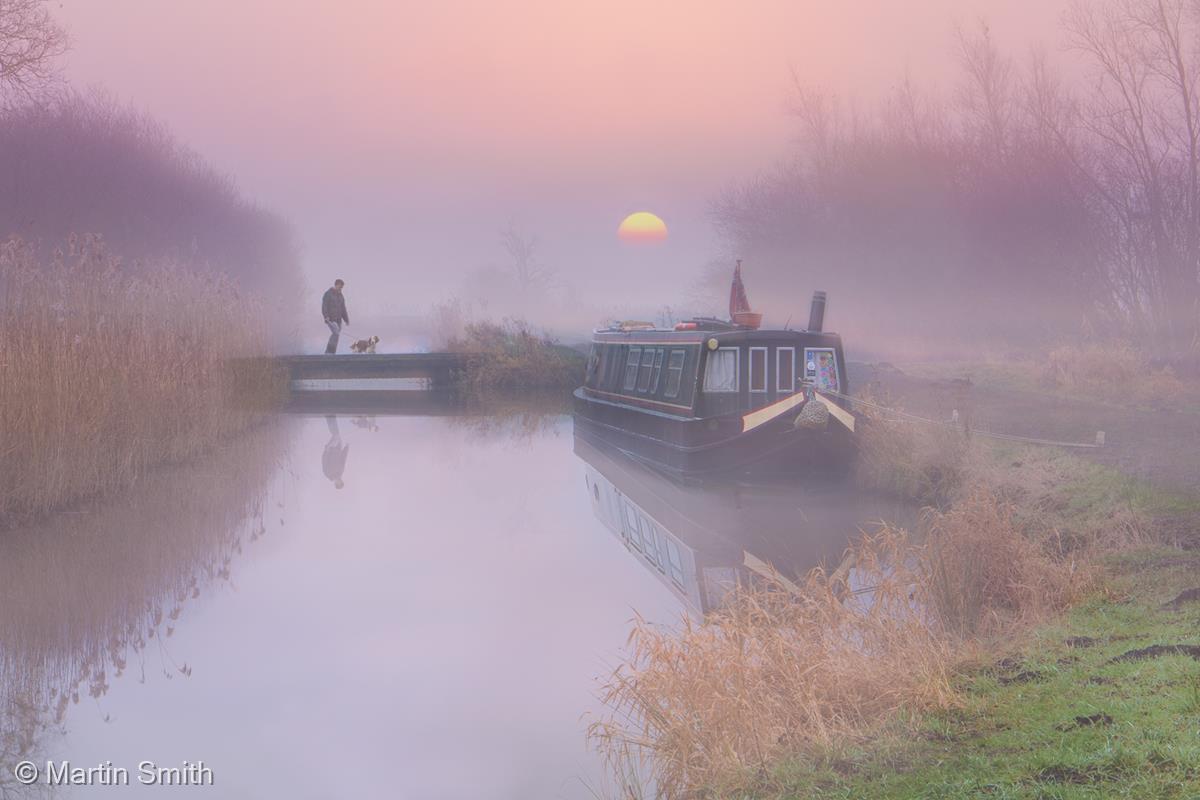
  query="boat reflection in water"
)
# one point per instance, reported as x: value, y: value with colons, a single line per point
x: 702, y: 541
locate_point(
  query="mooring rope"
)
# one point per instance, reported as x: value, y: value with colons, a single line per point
x: 1006, y: 437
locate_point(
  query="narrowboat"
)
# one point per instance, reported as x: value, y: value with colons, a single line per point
x: 709, y: 396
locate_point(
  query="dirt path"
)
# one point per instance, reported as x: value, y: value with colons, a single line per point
x: 1162, y: 447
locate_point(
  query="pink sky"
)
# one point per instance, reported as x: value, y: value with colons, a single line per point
x: 400, y: 138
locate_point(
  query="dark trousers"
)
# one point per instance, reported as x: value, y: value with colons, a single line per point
x: 335, y: 332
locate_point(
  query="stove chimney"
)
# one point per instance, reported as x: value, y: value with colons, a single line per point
x: 816, y: 317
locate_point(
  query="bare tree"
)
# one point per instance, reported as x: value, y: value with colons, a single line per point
x: 529, y: 273
x: 1143, y: 120
x: 30, y: 43
x: 987, y: 92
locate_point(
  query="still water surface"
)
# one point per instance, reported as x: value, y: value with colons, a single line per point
x: 432, y: 628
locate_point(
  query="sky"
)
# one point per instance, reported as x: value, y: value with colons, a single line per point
x: 402, y: 138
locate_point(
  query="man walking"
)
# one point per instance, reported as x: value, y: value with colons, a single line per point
x: 333, y: 309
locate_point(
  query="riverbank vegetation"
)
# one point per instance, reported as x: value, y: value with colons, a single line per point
x: 1102, y: 702
x: 85, y: 164
x: 137, y: 286
x: 511, y: 356
x: 1023, y: 205
x: 106, y: 372
x: 819, y: 688
x: 1114, y: 371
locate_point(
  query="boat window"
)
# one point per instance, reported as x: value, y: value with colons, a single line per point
x: 674, y: 373
x: 658, y: 359
x: 721, y: 371
x: 674, y: 563
x: 631, y: 367
x: 647, y: 367
x: 758, y: 369
x: 650, y: 535
x: 820, y: 367
x: 631, y: 525
x: 785, y: 369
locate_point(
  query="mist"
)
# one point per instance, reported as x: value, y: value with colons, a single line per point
x: 404, y: 159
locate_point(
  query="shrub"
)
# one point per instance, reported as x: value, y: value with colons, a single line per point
x: 981, y: 573
x: 510, y: 356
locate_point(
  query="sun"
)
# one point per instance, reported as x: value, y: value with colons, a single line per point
x: 642, y: 227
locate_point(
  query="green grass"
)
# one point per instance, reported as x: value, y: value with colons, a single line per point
x: 1098, y: 485
x: 1020, y: 739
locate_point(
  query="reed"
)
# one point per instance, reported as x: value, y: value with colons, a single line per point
x: 1116, y: 372
x: 784, y: 672
x: 510, y: 355
x: 106, y: 372
x: 925, y: 463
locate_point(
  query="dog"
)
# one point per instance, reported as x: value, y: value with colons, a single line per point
x: 365, y: 345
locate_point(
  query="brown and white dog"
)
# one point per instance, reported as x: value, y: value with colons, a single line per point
x: 365, y: 345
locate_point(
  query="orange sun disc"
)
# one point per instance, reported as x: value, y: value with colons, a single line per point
x: 642, y: 226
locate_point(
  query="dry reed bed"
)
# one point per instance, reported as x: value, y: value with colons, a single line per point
x: 784, y: 672
x: 105, y: 372
x: 510, y: 355
x: 1118, y: 372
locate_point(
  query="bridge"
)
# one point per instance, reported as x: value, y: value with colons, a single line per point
x: 373, y: 372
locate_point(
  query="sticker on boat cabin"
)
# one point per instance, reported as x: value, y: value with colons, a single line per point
x: 820, y: 368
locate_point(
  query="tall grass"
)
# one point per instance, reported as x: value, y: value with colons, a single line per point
x: 919, y: 462
x: 511, y: 356
x: 105, y: 372
x: 785, y: 671
x: 1115, y: 371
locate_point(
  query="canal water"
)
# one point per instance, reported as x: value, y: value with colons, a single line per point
x: 409, y: 606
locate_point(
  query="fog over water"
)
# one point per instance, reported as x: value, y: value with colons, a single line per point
x: 434, y: 628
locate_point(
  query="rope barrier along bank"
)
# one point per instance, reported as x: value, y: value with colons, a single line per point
x: 904, y: 416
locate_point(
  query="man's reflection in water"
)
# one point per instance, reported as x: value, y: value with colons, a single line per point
x: 333, y: 459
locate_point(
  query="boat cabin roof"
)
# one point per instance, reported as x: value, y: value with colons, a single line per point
x: 731, y: 334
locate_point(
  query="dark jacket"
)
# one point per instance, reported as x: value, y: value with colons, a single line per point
x: 333, y: 460
x: 333, y: 307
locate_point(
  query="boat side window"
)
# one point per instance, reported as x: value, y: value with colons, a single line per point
x: 758, y: 369
x: 674, y: 563
x: 631, y: 367
x: 674, y: 372
x: 785, y: 369
x: 632, y: 532
x: 650, y: 532
x: 658, y: 359
x: 647, y: 367
x: 593, y: 365
x: 721, y: 370
x: 820, y: 367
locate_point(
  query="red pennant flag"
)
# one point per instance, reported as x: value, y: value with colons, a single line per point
x: 737, y: 293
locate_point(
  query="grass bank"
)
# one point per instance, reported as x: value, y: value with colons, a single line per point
x: 1103, y: 702
x: 913, y: 687
x: 105, y: 373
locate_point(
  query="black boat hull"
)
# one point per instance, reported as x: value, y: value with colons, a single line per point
x: 691, y: 447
